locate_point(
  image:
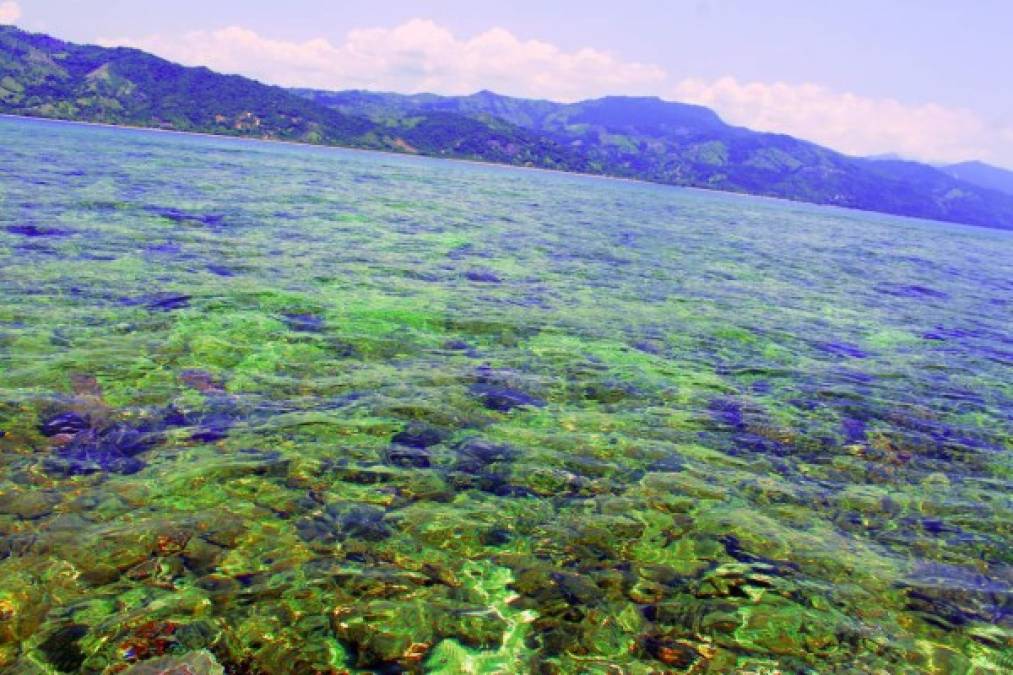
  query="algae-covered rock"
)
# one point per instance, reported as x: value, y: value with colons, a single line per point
x: 339, y: 521
x: 62, y: 650
x: 194, y: 663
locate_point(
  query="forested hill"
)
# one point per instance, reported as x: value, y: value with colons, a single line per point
x: 682, y: 144
x: 643, y: 138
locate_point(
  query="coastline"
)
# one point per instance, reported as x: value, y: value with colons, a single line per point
x: 393, y: 153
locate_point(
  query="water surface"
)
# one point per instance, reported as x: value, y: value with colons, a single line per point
x: 292, y: 409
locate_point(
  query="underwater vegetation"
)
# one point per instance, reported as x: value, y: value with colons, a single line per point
x: 274, y: 409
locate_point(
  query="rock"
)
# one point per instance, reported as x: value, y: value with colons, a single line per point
x: 112, y: 450
x: 474, y: 454
x: 485, y: 466
x: 727, y: 412
x: 497, y: 536
x: 28, y: 504
x: 64, y: 423
x: 671, y: 651
x: 418, y: 435
x: 202, y: 381
x: 504, y: 399
x: 220, y: 270
x: 16, y: 545
x: 408, y: 457
x: 195, y: 663
x: 341, y: 521
x: 951, y: 596
x: 482, y: 276
x: 61, y: 648
x: 304, y: 323
x: 390, y: 636
x: 181, y: 216
x: 37, y: 231
x: 167, y: 302
x: 211, y: 433
x: 670, y: 463
x: 85, y: 385
x: 609, y: 391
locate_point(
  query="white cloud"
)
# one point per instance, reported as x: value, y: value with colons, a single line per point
x: 416, y: 56
x: 844, y: 121
x: 10, y: 12
x: 423, y: 56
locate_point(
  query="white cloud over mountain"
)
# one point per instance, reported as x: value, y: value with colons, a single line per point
x: 10, y: 12
x: 844, y: 121
x: 423, y: 56
x: 416, y: 56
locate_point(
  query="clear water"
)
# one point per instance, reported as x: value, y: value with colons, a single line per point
x: 277, y: 409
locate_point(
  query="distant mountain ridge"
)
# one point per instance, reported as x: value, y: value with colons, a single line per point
x: 982, y: 175
x: 681, y: 144
x: 634, y: 137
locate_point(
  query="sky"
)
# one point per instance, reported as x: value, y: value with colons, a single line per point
x: 926, y: 79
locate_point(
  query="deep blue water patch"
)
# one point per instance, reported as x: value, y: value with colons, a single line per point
x: 34, y: 231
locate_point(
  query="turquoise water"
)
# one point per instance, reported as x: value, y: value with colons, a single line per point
x: 270, y: 408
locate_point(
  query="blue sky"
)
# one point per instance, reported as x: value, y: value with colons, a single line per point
x: 927, y: 79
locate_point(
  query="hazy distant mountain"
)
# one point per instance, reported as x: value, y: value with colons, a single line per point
x: 984, y: 175
x: 644, y: 138
x: 886, y: 156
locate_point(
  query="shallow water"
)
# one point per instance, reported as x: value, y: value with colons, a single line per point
x: 314, y: 410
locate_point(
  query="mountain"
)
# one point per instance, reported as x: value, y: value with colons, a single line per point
x: 45, y: 77
x: 680, y: 144
x: 634, y: 137
x: 982, y: 175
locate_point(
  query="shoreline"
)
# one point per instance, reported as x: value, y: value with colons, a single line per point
x: 496, y: 165
x: 392, y: 153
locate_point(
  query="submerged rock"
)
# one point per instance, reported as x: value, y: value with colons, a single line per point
x: 340, y: 521
x: 408, y: 457
x: 482, y: 465
x: 418, y: 435
x: 482, y: 276
x: 304, y: 323
x: 504, y: 399
x: 949, y: 596
x: 195, y: 663
x: 475, y: 455
x: 37, y: 231
x: 87, y: 450
x: 166, y: 302
x: 672, y: 651
x: 181, y: 216
x: 61, y: 648
x: 221, y: 270
x: 727, y: 412
x: 202, y: 381
x: 28, y: 504
x: 64, y: 423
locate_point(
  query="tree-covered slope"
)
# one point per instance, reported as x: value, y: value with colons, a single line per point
x: 46, y: 77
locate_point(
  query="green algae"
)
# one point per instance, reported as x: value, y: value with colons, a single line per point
x: 432, y: 417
